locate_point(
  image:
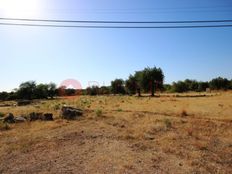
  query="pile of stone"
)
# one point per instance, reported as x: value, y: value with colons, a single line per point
x: 40, y: 116
x: 70, y: 113
x: 10, y: 118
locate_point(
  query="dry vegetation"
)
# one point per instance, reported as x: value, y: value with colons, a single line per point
x: 122, y: 134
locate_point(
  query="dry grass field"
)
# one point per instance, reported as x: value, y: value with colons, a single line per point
x: 123, y: 134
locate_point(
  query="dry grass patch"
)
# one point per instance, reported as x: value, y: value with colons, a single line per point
x: 140, y: 135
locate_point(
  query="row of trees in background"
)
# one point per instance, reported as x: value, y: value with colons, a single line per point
x: 148, y: 80
x: 30, y: 90
x: 193, y: 85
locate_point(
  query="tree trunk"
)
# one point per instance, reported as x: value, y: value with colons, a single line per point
x: 139, y: 92
x: 152, y: 89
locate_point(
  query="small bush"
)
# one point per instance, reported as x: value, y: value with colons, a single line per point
x: 1, y: 114
x: 57, y: 107
x: 98, y: 112
x: 119, y: 110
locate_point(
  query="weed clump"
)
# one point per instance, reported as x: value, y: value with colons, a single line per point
x: 168, y: 123
x: 98, y: 112
x: 119, y: 110
x: 4, y: 126
x: 57, y: 107
x: 1, y: 114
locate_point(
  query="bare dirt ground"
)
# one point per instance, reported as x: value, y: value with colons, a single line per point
x: 122, y: 134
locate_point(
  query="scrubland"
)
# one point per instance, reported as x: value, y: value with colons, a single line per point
x: 122, y: 134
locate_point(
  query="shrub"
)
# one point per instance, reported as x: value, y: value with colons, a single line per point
x: 119, y: 110
x: 57, y: 107
x: 1, y: 114
x: 98, y: 112
x: 168, y: 123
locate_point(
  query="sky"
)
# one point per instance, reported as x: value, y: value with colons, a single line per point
x: 97, y: 56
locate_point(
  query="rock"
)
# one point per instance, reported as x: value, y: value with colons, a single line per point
x: 35, y: 116
x: 40, y: 116
x: 70, y: 113
x: 9, y: 118
x: 48, y: 117
x: 148, y: 137
x: 19, y: 119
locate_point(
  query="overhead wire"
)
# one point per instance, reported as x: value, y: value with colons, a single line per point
x: 118, y: 22
x: 115, y: 24
x: 115, y: 27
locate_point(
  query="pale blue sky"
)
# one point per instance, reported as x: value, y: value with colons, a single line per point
x: 56, y: 54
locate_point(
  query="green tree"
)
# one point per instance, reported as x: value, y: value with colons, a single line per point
x: 192, y: 85
x: 93, y: 90
x: 26, y: 90
x: 167, y: 87
x: 70, y: 92
x: 52, y: 90
x: 4, y: 95
x: 132, y: 84
x: 41, y: 91
x: 202, y: 86
x: 219, y: 83
x: 179, y: 86
x: 152, y: 79
x: 117, y: 86
x: 104, y: 90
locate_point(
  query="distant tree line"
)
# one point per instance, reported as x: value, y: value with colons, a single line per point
x: 148, y: 80
x: 30, y: 90
x: 218, y: 83
x: 151, y: 80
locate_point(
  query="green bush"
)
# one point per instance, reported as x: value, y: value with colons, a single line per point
x: 1, y: 114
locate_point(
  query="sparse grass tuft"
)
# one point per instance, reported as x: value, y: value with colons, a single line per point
x: 190, y: 131
x: 119, y: 110
x: 57, y: 107
x: 4, y: 126
x: 167, y: 123
x: 98, y: 112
